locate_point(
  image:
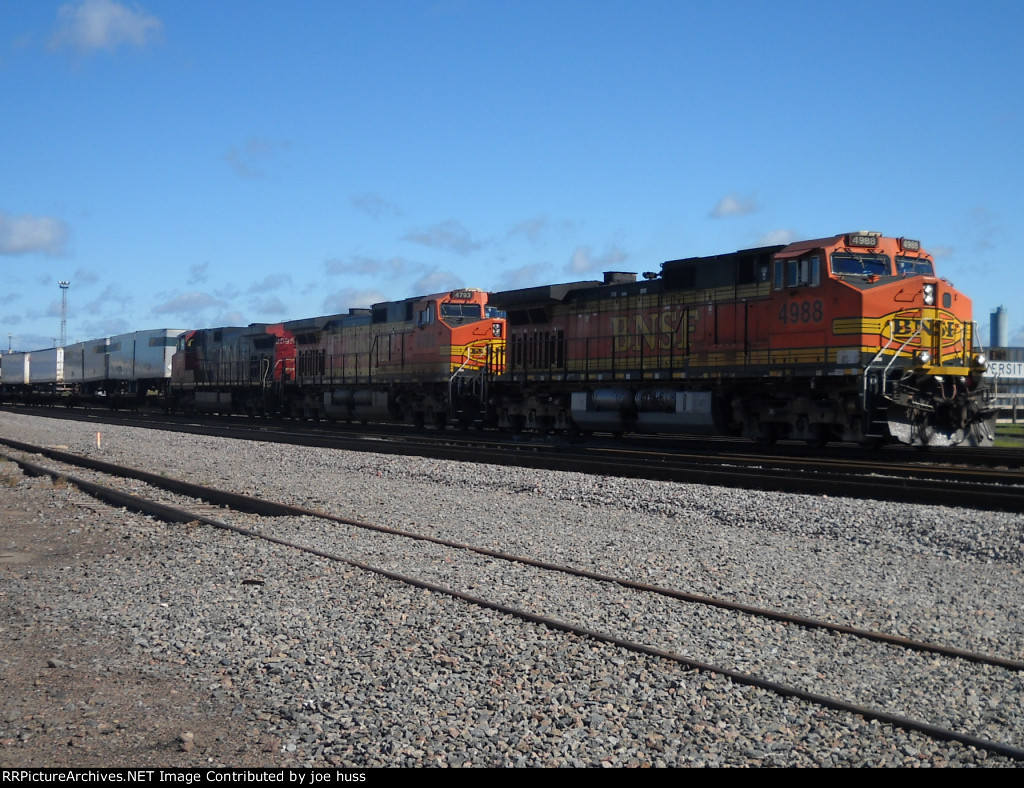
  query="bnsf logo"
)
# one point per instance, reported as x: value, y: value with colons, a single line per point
x: 902, y: 326
x: 656, y: 331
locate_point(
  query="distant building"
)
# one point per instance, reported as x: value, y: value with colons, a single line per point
x: 999, y: 335
x: 1005, y: 368
x: 1006, y: 372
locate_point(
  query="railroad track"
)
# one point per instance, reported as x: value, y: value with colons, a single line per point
x: 992, y: 481
x: 749, y: 645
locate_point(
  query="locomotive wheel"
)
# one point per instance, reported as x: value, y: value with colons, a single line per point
x: 820, y: 438
x: 766, y: 434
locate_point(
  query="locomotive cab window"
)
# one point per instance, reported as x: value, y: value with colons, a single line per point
x: 849, y: 264
x: 914, y: 266
x: 459, y: 314
x: 797, y: 272
x: 426, y: 316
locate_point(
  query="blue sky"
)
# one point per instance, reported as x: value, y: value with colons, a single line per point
x: 188, y: 164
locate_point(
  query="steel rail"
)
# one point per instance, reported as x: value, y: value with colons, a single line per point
x: 854, y: 478
x: 266, y: 507
x: 174, y: 514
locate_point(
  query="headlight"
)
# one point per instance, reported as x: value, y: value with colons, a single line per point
x: 980, y: 360
x: 924, y: 357
x: 929, y: 295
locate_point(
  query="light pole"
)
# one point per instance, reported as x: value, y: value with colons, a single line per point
x: 63, y: 311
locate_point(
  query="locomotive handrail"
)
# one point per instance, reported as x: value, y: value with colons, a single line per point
x: 471, y: 353
x: 866, y: 378
x: 974, y: 339
x: 481, y: 356
x: 896, y: 355
x: 885, y: 372
x: 878, y: 355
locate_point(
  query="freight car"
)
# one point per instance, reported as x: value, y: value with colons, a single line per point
x: 427, y: 359
x: 851, y: 337
x: 35, y: 377
x: 127, y: 370
x: 16, y: 375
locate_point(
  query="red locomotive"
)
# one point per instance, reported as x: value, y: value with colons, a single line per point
x: 232, y: 369
x: 850, y: 338
x: 424, y: 360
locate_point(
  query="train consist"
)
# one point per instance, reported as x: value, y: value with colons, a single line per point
x: 851, y: 338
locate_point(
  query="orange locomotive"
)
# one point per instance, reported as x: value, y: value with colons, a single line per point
x: 424, y: 359
x: 850, y: 338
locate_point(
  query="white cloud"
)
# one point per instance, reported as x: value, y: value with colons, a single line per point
x: 270, y: 305
x: 251, y: 159
x: 734, y: 205
x: 197, y: 273
x: 375, y: 206
x: 30, y: 234
x: 449, y: 234
x: 228, y: 291
x: 524, y: 276
x: 188, y: 304
x: 103, y: 24
x: 54, y: 309
x: 584, y: 260
x: 425, y: 279
x: 436, y: 282
x: 112, y: 300
x: 84, y: 277
x: 349, y: 298
x: 981, y: 226
x: 270, y: 283
x: 780, y: 236
x: 540, y: 230
x: 368, y: 266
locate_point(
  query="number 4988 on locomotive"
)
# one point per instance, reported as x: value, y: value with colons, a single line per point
x: 851, y: 337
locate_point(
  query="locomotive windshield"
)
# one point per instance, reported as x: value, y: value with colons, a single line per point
x: 459, y: 314
x: 914, y: 266
x: 848, y: 264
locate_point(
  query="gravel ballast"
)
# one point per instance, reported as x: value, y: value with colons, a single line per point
x: 335, y: 666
